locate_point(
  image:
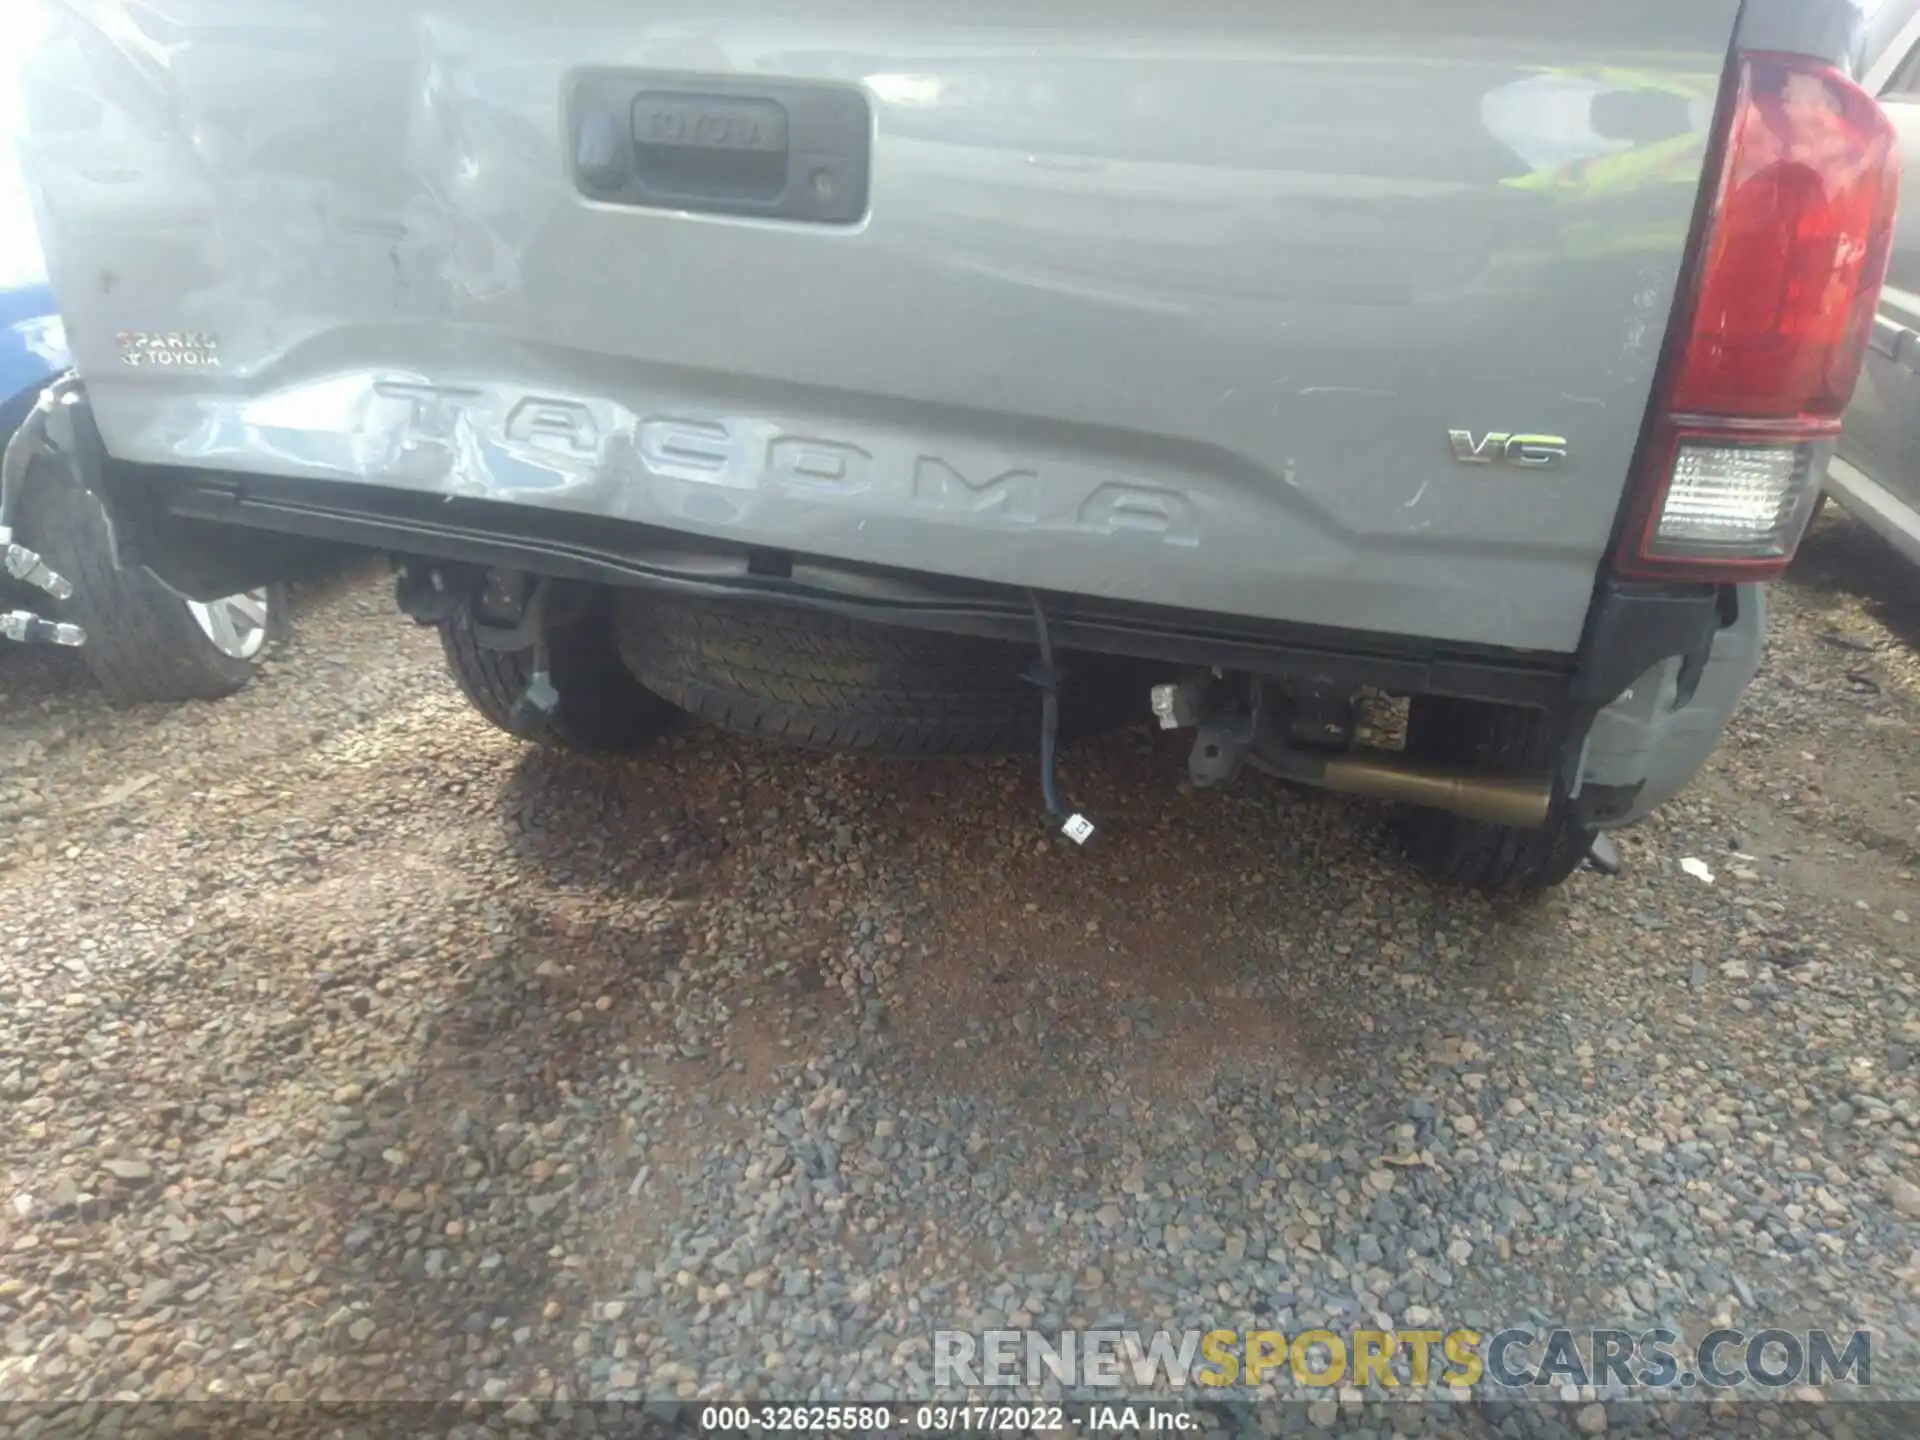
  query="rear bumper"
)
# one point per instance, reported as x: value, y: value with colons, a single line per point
x: 204, y: 530
x: 1635, y: 710
x: 1504, y: 557
x: 1645, y: 746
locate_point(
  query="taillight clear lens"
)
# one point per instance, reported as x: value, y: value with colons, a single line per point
x: 1798, y: 248
x: 1732, y: 501
x: 1788, y: 277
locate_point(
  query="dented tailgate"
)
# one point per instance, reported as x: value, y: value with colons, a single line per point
x: 1234, y: 308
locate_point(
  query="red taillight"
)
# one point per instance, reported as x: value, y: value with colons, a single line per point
x: 1773, y: 333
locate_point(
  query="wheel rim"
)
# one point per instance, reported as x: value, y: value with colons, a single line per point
x: 237, y: 625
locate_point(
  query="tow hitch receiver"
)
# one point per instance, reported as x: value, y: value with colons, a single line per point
x: 1306, y: 734
x: 506, y: 610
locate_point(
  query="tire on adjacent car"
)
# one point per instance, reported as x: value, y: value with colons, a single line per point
x: 1498, y: 859
x: 602, y: 708
x: 143, y: 640
x: 834, y: 682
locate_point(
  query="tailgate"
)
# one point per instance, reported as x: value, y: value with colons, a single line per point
x: 1185, y: 310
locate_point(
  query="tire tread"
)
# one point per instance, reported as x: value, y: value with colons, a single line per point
x: 831, y: 682
x: 142, y: 644
x: 602, y: 707
x: 1497, y: 859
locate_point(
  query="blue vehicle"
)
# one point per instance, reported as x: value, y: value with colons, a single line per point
x: 60, y: 581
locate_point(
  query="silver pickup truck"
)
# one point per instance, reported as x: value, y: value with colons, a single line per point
x: 936, y: 377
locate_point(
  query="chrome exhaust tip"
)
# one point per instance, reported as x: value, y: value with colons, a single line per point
x: 1520, y: 801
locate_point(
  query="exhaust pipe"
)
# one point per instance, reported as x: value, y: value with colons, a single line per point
x: 1516, y: 800
x: 1232, y: 734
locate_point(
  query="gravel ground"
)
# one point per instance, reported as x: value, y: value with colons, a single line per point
x: 351, y: 1050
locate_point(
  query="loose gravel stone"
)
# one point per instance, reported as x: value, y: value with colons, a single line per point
x: 366, y: 1054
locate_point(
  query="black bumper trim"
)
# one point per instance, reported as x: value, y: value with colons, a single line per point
x: 182, y: 524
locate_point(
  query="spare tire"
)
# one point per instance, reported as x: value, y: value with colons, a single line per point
x: 602, y: 708
x: 831, y: 682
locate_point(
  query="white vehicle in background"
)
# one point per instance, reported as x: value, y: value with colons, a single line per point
x: 1876, y: 475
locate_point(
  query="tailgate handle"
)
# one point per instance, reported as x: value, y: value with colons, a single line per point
x: 713, y: 147
x: 778, y: 149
